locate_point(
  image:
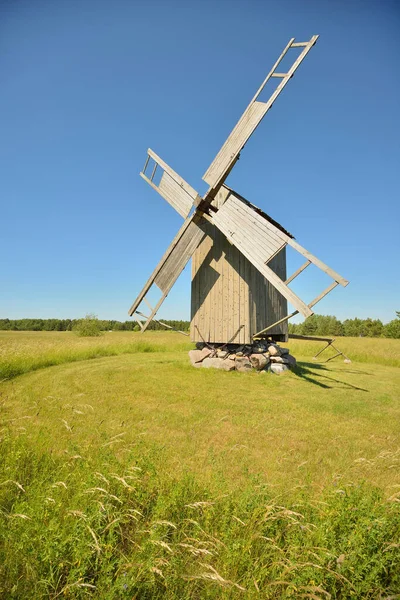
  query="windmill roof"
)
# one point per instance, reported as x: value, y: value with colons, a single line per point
x: 261, y: 212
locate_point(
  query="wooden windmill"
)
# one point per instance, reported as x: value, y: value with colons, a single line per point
x: 240, y: 288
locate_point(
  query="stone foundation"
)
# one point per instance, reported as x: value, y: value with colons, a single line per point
x: 262, y: 356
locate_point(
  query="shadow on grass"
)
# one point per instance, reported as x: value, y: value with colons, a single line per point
x: 302, y: 370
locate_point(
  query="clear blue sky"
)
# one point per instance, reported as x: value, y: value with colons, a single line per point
x: 87, y: 87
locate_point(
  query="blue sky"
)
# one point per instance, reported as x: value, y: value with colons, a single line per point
x: 87, y: 87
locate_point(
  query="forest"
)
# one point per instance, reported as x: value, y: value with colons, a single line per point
x: 318, y: 325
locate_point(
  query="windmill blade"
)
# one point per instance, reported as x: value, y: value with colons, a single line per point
x: 172, y: 263
x: 175, y: 190
x: 252, y: 116
x: 258, y: 239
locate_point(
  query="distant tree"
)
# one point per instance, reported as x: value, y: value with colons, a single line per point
x: 392, y: 329
x: 90, y: 326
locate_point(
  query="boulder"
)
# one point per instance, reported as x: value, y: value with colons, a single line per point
x: 218, y: 363
x: 284, y: 351
x: 242, y: 364
x: 221, y: 353
x: 278, y: 369
x: 291, y: 361
x: 279, y: 359
x: 274, y: 350
x: 259, y: 361
x: 197, y: 356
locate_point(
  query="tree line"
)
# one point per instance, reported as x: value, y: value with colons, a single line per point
x: 319, y: 325
x: 71, y: 324
x: 327, y: 325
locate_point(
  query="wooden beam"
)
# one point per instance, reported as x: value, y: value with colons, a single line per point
x: 296, y: 312
x: 310, y: 338
x: 300, y: 44
x: 323, y: 294
x: 299, y: 270
x: 318, y: 263
x: 139, y: 322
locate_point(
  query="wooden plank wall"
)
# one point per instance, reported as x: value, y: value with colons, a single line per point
x: 231, y: 300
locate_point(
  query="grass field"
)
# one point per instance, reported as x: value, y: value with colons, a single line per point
x: 136, y: 476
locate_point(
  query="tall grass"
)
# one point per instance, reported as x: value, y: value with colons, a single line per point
x: 74, y: 527
x: 141, y: 477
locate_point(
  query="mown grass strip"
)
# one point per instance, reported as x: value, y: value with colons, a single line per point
x: 19, y: 365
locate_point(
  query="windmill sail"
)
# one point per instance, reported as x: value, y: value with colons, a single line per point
x: 172, y: 187
x: 260, y: 239
x: 172, y: 263
x: 252, y: 116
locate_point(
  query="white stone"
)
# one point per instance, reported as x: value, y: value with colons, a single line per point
x: 278, y: 369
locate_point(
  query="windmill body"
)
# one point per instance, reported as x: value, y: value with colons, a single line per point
x: 240, y: 288
x: 231, y: 299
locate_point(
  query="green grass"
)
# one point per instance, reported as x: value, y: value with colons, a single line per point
x: 137, y: 476
x: 22, y: 352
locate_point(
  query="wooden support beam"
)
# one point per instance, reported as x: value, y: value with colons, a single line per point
x: 154, y: 172
x: 139, y: 322
x: 310, y: 338
x: 279, y: 75
x: 296, y: 312
x: 299, y: 270
x: 148, y: 304
x: 318, y: 263
x: 300, y: 44
x: 323, y: 294
x: 146, y: 163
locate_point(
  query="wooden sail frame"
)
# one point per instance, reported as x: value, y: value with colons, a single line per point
x: 239, y: 221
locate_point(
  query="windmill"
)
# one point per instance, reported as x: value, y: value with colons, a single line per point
x: 240, y: 288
